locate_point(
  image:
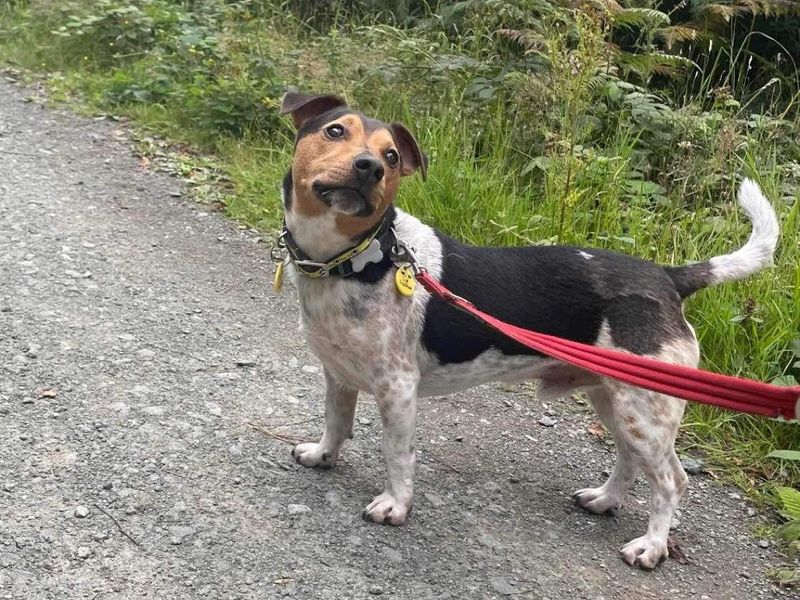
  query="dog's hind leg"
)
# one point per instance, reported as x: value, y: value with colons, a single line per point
x: 646, y: 424
x: 397, y: 403
x: 609, y: 496
x: 340, y: 409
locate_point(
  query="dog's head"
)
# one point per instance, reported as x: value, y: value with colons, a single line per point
x: 345, y: 162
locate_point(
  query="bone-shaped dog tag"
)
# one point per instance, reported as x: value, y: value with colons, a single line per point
x: 373, y: 254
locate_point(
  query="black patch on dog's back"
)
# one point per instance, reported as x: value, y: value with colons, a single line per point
x: 557, y: 290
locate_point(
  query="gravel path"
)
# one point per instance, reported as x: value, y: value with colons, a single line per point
x: 139, y: 340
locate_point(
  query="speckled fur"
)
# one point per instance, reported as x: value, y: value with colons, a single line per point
x: 370, y: 338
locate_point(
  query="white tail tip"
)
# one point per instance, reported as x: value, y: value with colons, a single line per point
x: 757, y: 253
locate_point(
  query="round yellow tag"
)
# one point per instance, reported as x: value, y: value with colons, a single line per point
x: 277, y: 282
x: 404, y: 280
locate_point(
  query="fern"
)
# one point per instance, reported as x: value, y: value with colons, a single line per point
x: 644, y: 65
x: 646, y: 18
x: 790, y: 499
x: 725, y: 11
x: 527, y: 39
x: 676, y: 34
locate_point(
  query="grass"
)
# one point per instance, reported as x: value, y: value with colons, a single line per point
x: 571, y: 153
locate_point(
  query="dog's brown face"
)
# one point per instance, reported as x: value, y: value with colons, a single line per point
x: 345, y: 162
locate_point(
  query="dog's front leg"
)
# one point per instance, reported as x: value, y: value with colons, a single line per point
x: 340, y: 408
x: 397, y: 403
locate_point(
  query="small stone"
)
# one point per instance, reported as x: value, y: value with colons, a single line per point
x: 8, y: 486
x: 751, y: 512
x: 459, y: 438
x: 763, y: 543
x: 375, y: 590
x: 246, y: 362
x: 391, y: 554
x: 298, y: 509
x: 84, y: 552
x: 214, y: 408
x: 547, y: 421
x: 693, y: 466
x: 77, y: 275
x: 364, y: 421
x: 81, y: 512
x: 178, y: 533
x: 676, y: 522
x: 489, y: 541
x: 108, y: 485
x: 131, y: 510
x: 514, y: 479
x: 436, y: 501
x: 310, y: 369
x: 491, y: 486
x: 501, y: 586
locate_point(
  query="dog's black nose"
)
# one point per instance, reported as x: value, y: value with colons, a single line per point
x: 368, y: 168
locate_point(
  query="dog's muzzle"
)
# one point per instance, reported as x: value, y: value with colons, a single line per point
x: 352, y: 196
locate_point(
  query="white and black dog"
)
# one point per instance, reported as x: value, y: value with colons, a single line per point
x: 373, y: 336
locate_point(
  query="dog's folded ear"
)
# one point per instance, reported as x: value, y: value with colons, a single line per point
x: 305, y: 107
x: 411, y: 157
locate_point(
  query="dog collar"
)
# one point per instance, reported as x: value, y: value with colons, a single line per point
x: 372, y: 249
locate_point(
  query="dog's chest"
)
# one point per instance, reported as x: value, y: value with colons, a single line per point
x: 357, y: 330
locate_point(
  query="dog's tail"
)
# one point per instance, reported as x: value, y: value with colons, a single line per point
x: 750, y: 258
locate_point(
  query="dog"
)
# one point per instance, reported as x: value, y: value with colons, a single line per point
x: 375, y: 332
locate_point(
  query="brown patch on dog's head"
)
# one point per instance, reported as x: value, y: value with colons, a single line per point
x: 345, y: 162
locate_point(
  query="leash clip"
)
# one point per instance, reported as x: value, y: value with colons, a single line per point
x: 401, y: 253
x: 278, y: 251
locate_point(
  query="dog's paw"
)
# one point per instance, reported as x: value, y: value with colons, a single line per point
x: 387, y: 509
x: 313, y: 455
x: 597, y: 500
x: 644, y: 552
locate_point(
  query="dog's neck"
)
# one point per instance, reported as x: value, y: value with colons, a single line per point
x: 317, y: 236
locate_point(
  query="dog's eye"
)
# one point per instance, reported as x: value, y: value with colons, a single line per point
x: 334, y: 131
x: 392, y: 158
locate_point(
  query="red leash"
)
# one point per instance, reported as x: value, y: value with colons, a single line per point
x: 733, y: 393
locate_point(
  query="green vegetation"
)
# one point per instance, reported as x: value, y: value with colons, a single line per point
x: 621, y: 125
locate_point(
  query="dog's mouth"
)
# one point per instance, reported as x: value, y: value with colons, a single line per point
x: 345, y: 199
